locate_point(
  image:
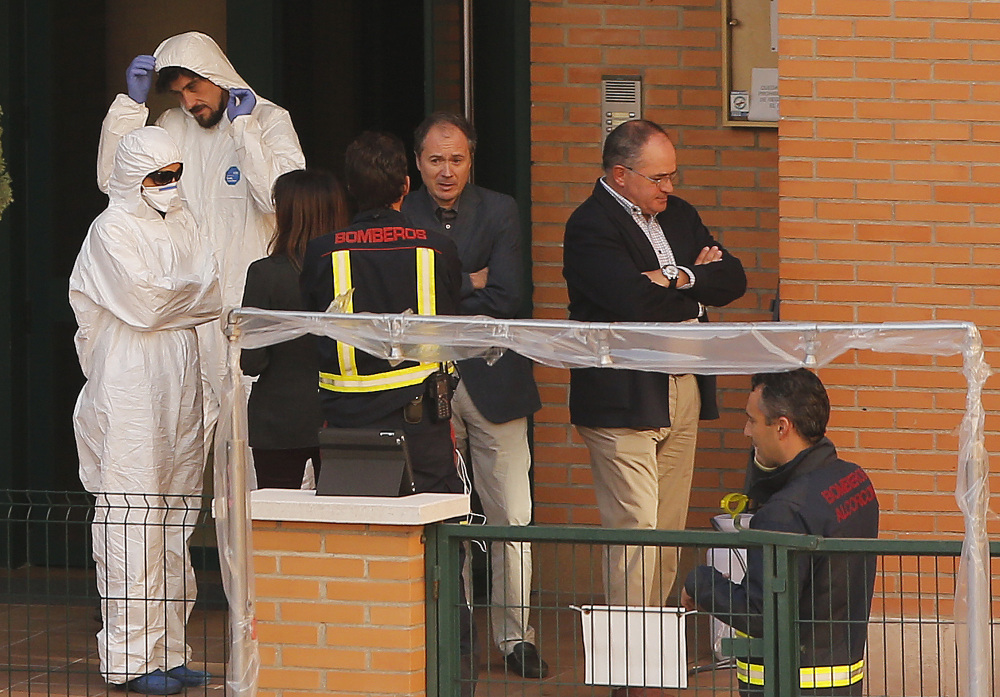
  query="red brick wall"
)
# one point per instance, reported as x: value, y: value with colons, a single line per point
x: 340, y: 609
x: 890, y: 159
x: 730, y: 174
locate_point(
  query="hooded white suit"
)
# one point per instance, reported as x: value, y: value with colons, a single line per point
x: 140, y: 285
x: 229, y: 171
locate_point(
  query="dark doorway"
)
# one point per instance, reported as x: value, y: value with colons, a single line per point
x: 349, y: 66
x: 61, y: 80
x: 339, y: 66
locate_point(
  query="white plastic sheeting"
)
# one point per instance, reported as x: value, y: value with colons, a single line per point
x: 708, y: 349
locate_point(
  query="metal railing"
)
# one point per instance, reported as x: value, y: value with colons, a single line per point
x: 50, y: 608
x: 914, y: 648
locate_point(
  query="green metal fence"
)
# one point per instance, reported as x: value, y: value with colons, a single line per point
x: 913, y: 642
x: 50, y: 610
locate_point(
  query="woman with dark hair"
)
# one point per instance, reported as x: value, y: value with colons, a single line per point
x: 283, y: 413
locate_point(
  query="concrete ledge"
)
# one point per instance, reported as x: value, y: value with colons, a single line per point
x: 304, y: 506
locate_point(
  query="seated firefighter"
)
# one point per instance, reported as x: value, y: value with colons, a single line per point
x: 802, y: 487
x: 140, y: 286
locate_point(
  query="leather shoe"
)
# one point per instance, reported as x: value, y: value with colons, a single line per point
x: 525, y: 661
x: 188, y: 677
x: 155, y: 683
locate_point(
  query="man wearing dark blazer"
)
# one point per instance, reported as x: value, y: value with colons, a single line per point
x: 633, y: 252
x: 492, y: 403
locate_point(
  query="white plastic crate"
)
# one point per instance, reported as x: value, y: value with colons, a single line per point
x: 635, y: 646
x: 733, y: 563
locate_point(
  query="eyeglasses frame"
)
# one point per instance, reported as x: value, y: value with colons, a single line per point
x: 672, y: 177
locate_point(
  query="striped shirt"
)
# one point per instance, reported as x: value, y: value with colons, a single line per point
x: 654, y: 233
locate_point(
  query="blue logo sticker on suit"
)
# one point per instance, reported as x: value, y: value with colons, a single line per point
x: 232, y: 175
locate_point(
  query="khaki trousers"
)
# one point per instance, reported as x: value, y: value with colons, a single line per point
x: 500, y: 462
x: 643, y: 481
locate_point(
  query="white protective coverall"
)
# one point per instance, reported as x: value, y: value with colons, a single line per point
x: 229, y: 171
x: 140, y: 285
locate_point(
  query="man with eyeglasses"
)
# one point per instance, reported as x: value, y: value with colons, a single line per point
x: 634, y: 252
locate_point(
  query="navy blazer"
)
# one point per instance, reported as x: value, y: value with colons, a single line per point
x: 487, y: 232
x: 604, y: 256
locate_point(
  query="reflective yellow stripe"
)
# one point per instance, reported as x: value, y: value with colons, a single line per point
x: 342, y: 282
x: 751, y: 673
x: 426, y: 287
x: 404, y: 377
x: 809, y: 678
x: 349, y: 380
x: 831, y: 676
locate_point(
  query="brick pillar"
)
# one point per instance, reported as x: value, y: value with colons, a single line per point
x: 340, y: 591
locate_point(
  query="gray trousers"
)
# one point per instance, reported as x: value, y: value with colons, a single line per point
x: 500, y: 462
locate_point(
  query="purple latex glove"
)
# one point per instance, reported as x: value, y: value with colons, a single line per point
x: 241, y: 103
x: 139, y: 77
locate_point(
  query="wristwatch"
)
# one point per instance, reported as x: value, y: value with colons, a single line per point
x: 672, y: 273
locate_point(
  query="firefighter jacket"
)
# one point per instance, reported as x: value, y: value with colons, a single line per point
x: 816, y: 493
x: 391, y: 267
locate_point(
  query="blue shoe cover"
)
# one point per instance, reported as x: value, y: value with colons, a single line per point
x: 155, y: 683
x: 189, y: 678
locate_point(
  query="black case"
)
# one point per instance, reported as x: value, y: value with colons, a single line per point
x: 364, y: 462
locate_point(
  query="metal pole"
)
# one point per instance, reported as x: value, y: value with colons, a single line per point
x: 973, y: 497
x: 467, y: 60
x: 243, y: 679
x: 743, y: 327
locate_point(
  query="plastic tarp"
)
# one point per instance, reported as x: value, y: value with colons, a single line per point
x: 707, y: 349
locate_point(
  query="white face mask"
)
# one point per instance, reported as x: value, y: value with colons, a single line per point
x: 162, y: 198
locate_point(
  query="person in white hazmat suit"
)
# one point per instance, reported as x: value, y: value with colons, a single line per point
x: 141, y: 284
x: 234, y: 144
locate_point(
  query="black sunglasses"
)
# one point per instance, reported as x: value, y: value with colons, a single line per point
x: 162, y: 177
